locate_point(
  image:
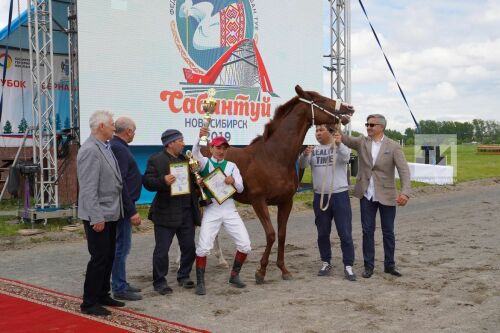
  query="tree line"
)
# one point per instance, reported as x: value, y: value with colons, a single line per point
x: 477, y: 131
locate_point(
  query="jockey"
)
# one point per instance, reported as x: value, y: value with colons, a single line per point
x: 215, y: 215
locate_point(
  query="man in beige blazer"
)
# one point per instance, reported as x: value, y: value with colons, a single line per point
x: 378, y: 156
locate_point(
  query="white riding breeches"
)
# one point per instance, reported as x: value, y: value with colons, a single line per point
x: 214, y: 217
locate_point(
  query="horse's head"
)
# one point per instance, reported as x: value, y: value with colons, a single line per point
x: 325, y: 110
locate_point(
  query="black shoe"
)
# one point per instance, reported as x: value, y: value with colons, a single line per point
x: 186, y: 283
x: 200, y: 281
x: 127, y: 296
x: 349, y: 274
x: 95, y: 310
x: 165, y: 290
x: 200, y: 289
x: 133, y: 289
x: 367, y: 273
x: 235, y: 281
x: 111, y: 302
x: 392, y: 271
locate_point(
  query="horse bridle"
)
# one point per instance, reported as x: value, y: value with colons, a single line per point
x: 338, y: 104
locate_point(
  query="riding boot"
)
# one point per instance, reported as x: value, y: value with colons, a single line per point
x: 201, y: 263
x: 234, y: 279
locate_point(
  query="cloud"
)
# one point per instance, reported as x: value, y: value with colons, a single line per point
x: 443, y: 91
x: 492, y: 12
x: 4, y: 11
x: 441, y: 52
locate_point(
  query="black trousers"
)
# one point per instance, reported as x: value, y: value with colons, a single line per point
x: 387, y: 216
x: 163, y: 240
x: 101, y: 247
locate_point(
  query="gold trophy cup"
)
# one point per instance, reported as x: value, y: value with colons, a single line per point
x: 208, y: 106
x: 194, y: 165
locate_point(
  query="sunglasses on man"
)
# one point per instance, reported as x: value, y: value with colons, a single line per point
x: 370, y: 125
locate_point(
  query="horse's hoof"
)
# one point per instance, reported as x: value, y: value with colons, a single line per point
x: 287, y: 276
x: 223, y: 265
x: 259, y: 278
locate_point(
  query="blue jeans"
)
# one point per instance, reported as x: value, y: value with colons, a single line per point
x: 387, y: 215
x: 123, y: 245
x: 339, y: 209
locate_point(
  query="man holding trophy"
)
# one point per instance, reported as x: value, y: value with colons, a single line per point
x: 221, y: 179
x: 174, y: 210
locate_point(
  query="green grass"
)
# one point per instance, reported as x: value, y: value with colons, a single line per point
x: 8, y: 229
x: 470, y: 164
x: 143, y: 211
x: 9, y: 204
x: 12, y: 205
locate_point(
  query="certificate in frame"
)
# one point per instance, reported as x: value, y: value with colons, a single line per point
x: 181, y: 172
x: 214, y: 182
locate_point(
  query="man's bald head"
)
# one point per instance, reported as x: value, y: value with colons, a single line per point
x: 125, y: 129
x: 122, y: 123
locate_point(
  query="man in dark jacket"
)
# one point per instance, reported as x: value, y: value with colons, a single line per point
x: 172, y: 215
x: 132, y: 184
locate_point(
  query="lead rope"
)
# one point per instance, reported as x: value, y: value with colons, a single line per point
x: 325, y: 176
x: 312, y: 114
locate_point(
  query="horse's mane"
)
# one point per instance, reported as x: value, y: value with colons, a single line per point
x: 279, y: 115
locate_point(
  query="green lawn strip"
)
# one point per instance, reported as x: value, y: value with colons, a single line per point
x: 8, y: 229
x: 10, y: 204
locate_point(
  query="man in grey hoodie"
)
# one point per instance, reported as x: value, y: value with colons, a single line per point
x: 328, y: 163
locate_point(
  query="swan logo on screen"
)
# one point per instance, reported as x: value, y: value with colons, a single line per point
x: 217, y: 41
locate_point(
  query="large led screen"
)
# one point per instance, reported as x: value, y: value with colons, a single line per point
x: 156, y: 60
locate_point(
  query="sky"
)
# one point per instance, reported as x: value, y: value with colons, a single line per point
x: 445, y: 54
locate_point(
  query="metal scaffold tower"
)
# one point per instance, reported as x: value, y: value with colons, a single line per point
x: 43, y: 129
x: 73, y: 69
x: 340, y: 50
x: 340, y: 59
x: 43, y: 109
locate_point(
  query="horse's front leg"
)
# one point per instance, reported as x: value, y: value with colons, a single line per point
x: 219, y: 254
x: 262, y: 212
x: 283, y: 214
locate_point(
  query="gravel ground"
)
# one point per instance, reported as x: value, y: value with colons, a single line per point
x: 447, y: 249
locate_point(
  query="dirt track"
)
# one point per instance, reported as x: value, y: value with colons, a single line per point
x: 448, y: 249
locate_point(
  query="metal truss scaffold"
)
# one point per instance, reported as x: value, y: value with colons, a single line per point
x: 340, y: 50
x: 74, y: 113
x: 43, y: 108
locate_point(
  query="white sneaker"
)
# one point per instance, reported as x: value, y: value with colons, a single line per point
x: 349, y: 274
x: 325, y: 269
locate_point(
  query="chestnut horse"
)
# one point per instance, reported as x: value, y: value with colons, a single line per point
x: 267, y: 165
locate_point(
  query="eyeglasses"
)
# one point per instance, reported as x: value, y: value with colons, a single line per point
x: 371, y: 125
